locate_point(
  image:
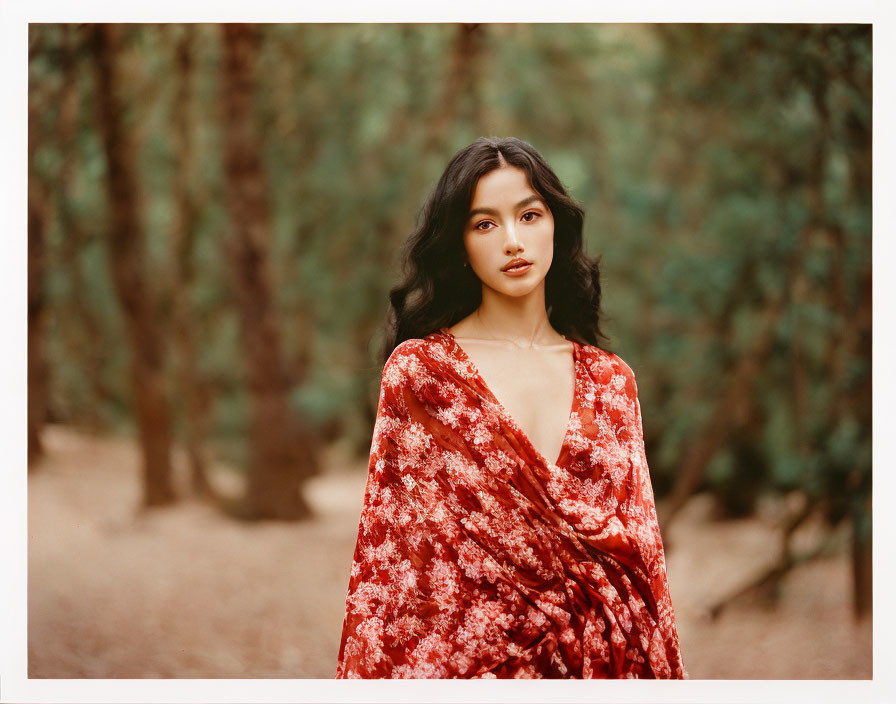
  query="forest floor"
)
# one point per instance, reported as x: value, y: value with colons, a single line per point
x: 186, y: 592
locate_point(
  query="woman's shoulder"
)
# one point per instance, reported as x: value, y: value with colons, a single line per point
x: 416, y: 358
x: 417, y: 366
x: 608, y: 368
x: 414, y: 349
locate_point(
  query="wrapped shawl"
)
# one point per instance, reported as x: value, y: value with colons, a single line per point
x: 476, y: 557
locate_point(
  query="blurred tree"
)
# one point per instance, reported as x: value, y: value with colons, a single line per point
x: 38, y: 383
x: 459, y: 103
x: 126, y: 244
x: 769, y: 177
x: 284, y: 451
x: 192, y: 386
x: 83, y: 334
x: 38, y: 205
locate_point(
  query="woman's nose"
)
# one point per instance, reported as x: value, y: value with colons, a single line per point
x: 511, y: 244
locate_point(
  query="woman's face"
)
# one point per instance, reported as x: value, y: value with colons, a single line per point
x: 508, y: 220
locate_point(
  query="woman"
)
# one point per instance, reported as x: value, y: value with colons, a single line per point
x: 477, y: 556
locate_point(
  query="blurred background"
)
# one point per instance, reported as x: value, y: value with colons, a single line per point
x: 214, y: 219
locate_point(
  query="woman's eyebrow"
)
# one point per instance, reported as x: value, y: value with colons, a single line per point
x: 490, y: 211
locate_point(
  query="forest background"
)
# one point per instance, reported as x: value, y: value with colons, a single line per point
x: 215, y: 216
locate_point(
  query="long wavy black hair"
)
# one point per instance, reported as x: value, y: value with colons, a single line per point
x: 438, y: 290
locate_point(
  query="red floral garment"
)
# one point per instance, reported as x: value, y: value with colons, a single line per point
x: 476, y: 557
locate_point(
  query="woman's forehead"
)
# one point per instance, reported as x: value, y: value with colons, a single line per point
x: 501, y: 187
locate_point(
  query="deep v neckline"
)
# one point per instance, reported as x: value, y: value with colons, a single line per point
x: 502, y: 410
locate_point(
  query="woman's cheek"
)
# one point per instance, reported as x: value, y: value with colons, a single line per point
x: 478, y: 258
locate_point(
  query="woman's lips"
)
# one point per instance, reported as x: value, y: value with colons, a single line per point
x: 518, y: 270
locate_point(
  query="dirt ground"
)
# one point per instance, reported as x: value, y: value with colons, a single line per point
x: 185, y: 592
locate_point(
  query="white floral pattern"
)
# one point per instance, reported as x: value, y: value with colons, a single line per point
x: 478, y: 558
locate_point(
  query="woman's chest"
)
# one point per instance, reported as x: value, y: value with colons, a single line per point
x: 536, y: 388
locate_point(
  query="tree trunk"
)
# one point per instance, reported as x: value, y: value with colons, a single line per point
x: 126, y: 244
x: 38, y: 205
x: 38, y: 383
x: 195, y: 395
x: 81, y: 332
x: 283, y: 451
x: 860, y: 399
x: 460, y: 96
x: 861, y: 554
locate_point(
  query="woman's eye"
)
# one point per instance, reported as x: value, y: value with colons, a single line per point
x: 532, y: 213
x: 480, y: 225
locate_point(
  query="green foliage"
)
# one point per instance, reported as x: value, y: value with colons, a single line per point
x: 723, y: 169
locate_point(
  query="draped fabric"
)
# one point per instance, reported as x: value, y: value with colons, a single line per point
x: 478, y: 558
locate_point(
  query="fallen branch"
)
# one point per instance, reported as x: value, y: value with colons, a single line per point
x: 772, y: 575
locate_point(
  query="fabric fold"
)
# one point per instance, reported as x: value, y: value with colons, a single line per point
x: 476, y: 557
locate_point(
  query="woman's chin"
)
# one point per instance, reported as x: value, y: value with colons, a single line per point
x: 519, y: 288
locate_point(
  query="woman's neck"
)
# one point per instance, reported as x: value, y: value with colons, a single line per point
x: 522, y: 320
